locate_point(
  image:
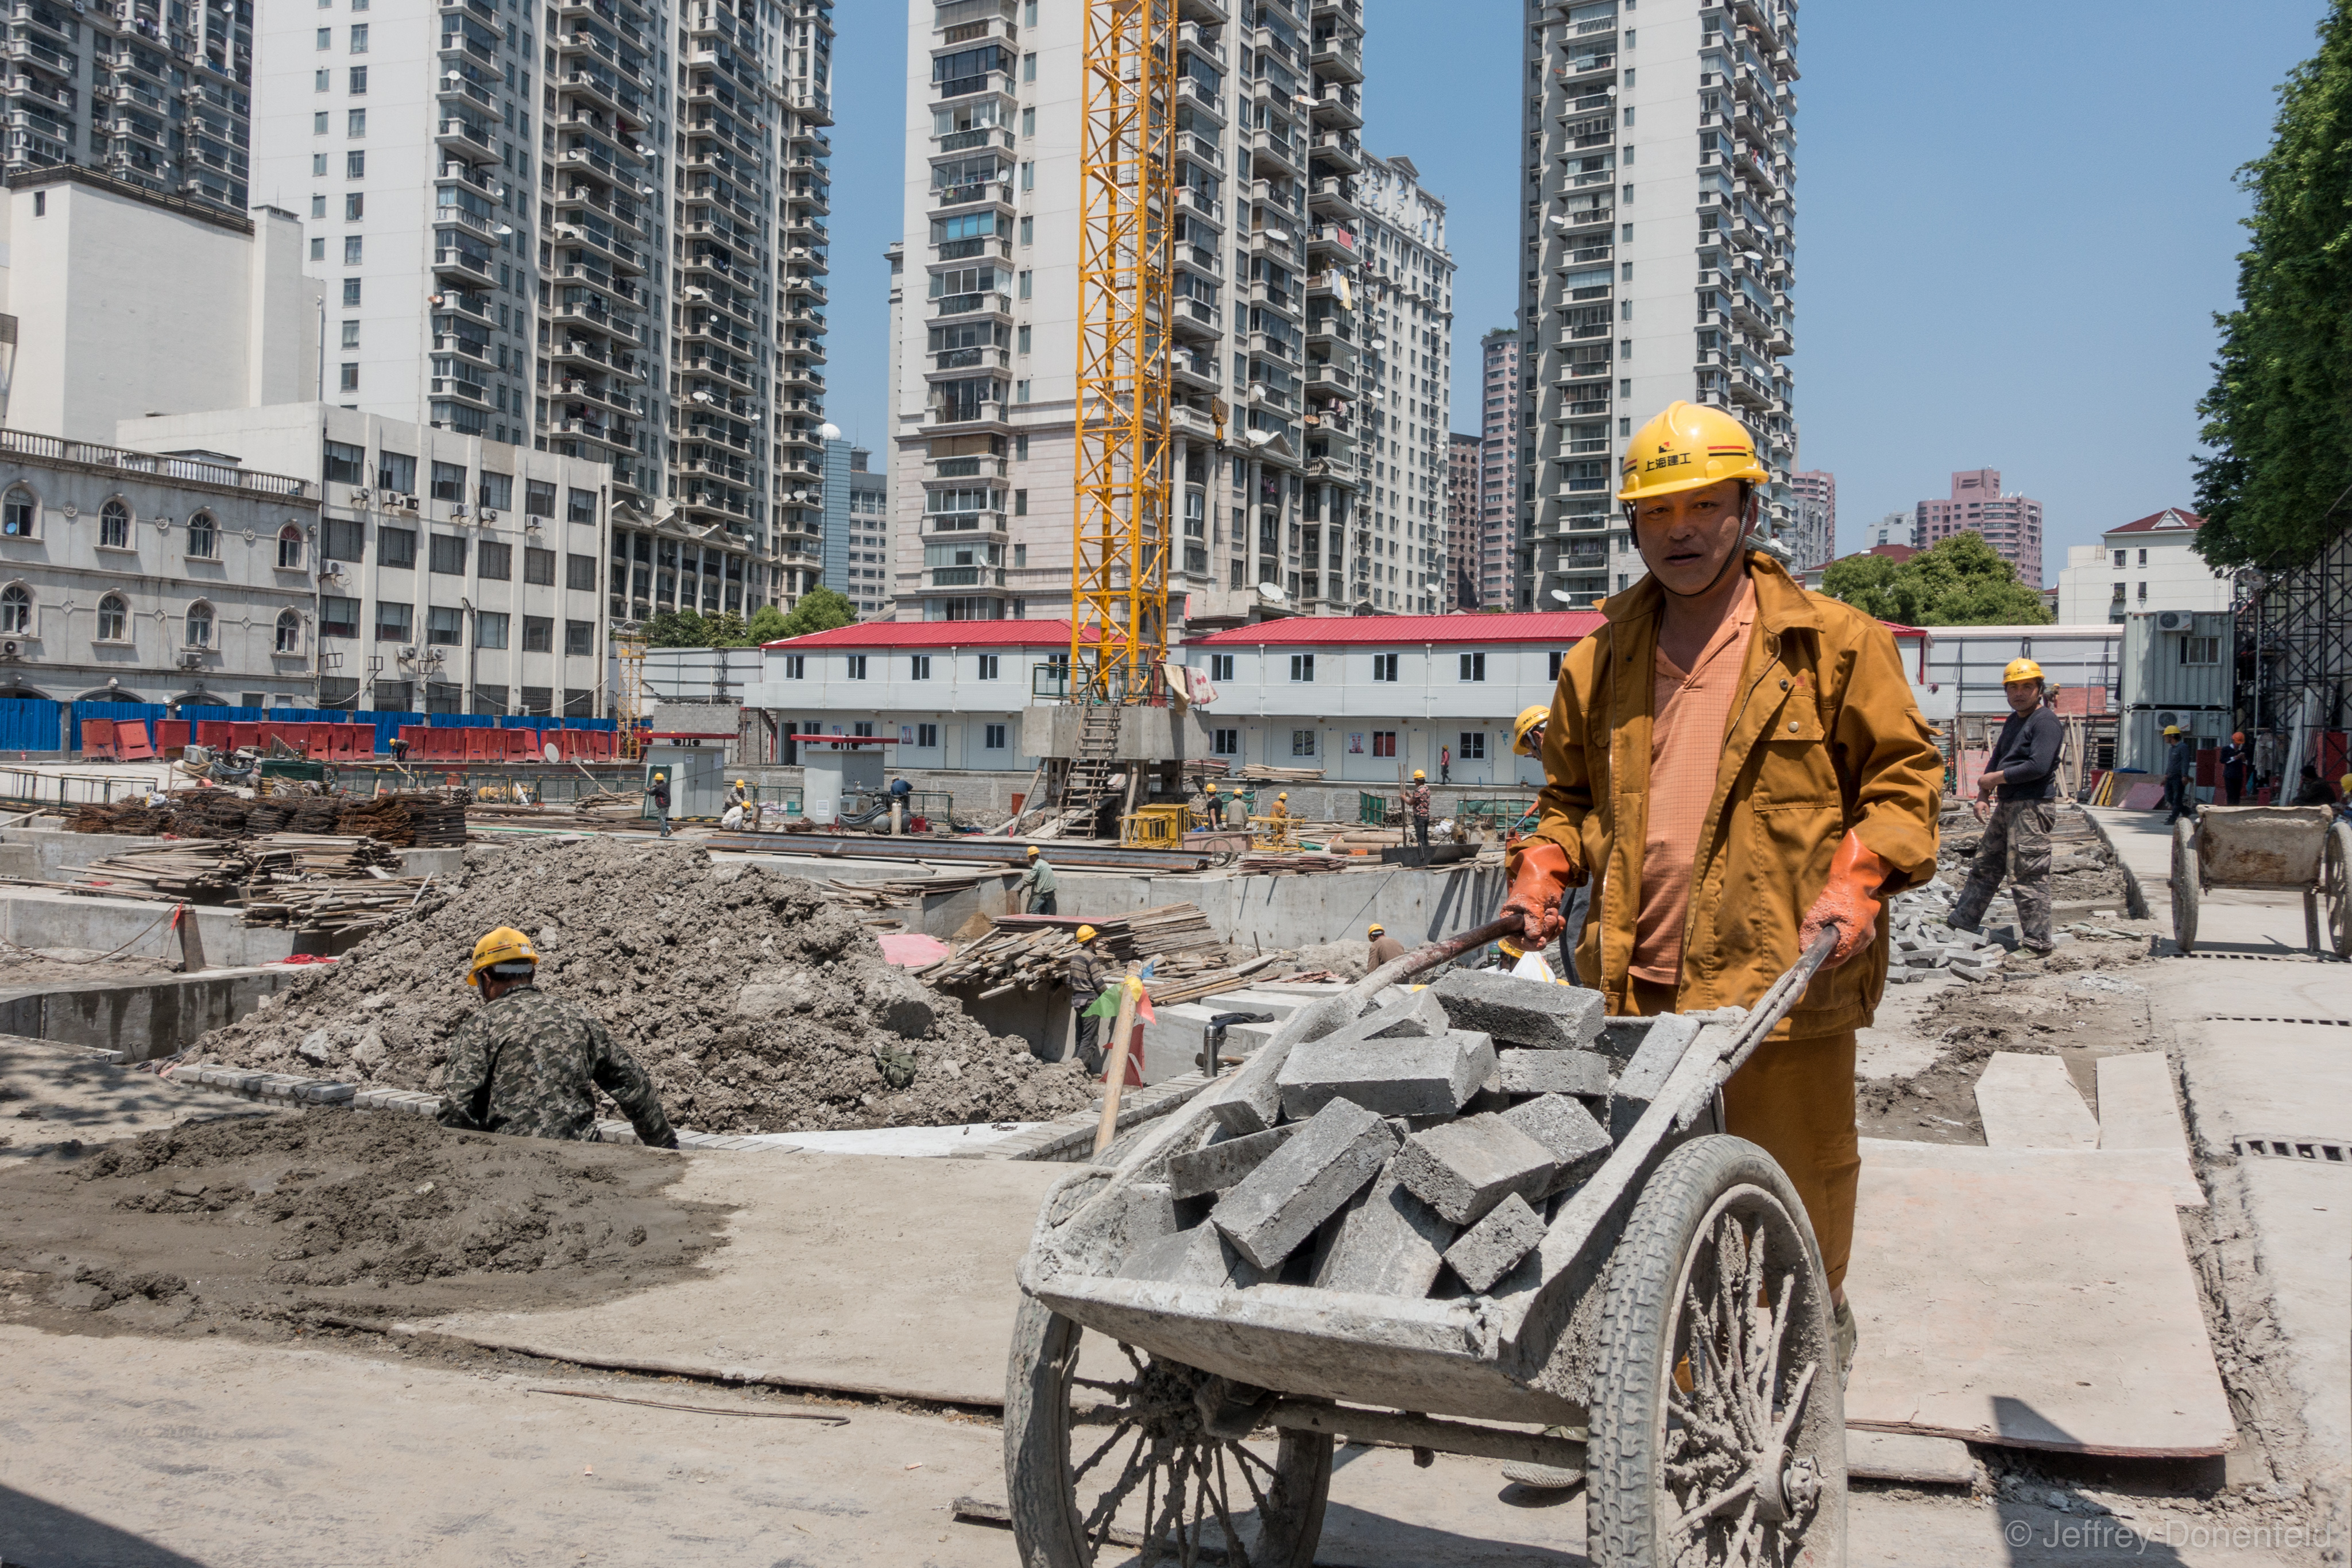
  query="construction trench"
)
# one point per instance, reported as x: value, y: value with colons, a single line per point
x: 2094, y: 1327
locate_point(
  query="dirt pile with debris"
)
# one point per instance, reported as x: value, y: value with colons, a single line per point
x: 260, y: 1218
x: 758, y: 1005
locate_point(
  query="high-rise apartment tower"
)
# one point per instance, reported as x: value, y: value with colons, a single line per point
x: 1494, y: 560
x: 1657, y: 234
x: 1462, y: 521
x: 2010, y: 522
x: 1811, y: 533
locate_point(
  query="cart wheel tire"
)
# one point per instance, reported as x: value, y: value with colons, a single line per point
x: 2184, y: 885
x: 2336, y: 878
x: 1060, y: 1463
x: 1773, y: 1468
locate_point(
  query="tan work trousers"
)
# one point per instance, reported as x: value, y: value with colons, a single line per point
x: 1795, y: 1100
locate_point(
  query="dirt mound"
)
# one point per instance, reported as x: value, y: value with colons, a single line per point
x: 260, y: 1217
x: 757, y: 1005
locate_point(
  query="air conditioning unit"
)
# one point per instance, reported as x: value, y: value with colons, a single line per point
x: 192, y: 659
x: 359, y: 498
x: 2162, y: 719
x: 409, y: 503
x: 2175, y: 621
x: 12, y: 650
x: 458, y: 510
x: 408, y: 651
x: 489, y: 516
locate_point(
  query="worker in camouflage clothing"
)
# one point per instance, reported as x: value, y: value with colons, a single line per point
x: 531, y: 1064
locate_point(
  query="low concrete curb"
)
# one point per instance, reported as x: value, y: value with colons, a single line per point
x: 2135, y: 903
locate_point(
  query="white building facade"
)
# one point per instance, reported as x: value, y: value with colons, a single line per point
x: 127, y: 577
x: 453, y: 574
x: 2147, y: 565
x: 1398, y: 559
x: 1650, y: 275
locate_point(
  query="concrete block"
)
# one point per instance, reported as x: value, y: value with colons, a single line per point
x: 1223, y: 1163
x: 1493, y: 1248
x: 1414, y: 1076
x: 1416, y: 1013
x: 1388, y: 1243
x: 1173, y: 1040
x: 1584, y: 1073
x: 1647, y: 1073
x: 1250, y: 1002
x: 1577, y: 1143
x: 1622, y: 1037
x: 1302, y: 1183
x: 1519, y: 1012
x: 1463, y: 1169
x: 1241, y: 1107
x: 1196, y: 1257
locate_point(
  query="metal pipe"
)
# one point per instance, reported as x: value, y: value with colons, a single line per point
x: 1427, y: 1432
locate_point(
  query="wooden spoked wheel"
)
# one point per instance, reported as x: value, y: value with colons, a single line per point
x: 2184, y: 887
x: 2335, y: 883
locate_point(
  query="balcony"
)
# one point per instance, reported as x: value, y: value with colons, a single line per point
x: 993, y: 302
x: 1334, y: 199
x: 1275, y: 157
x: 1336, y: 152
x: 1587, y: 69
x: 959, y: 361
x: 737, y: 373
x: 1338, y: 106
x: 464, y: 388
x: 468, y: 266
x: 624, y: 215
x: 1339, y: 56
x: 462, y: 136
x: 966, y: 416
x: 475, y: 348
x: 1331, y: 380
x: 1207, y: 13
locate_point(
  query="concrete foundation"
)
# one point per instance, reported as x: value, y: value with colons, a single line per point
x: 142, y: 1018
x: 1145, y: 734
x: 31, y: 917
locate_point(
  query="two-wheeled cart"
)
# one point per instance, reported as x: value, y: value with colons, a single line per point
x: 1675, y: 1324
x: 2298, y: 848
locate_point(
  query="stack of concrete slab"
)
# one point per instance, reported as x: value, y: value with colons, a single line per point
x: 1924, y: 943
x: 1420, y: 1149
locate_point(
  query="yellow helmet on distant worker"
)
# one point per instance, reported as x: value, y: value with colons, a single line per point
x: 1031, y: 852
x: 1376, y: 930
x: 1530, y: 716
x: 2172, y: 729
x: 1688, y: 448
x: 1283, y: 796
x: 1212, y: 787
x: 2023, y: 670
x: 1085, y: 933
x: 1418, y: 776
x: 504, y: 945
x: 743, y: 783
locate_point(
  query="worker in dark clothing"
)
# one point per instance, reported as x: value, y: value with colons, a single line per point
x: 1087, y: 974
x: 1385, y: 948
x: 2022, y: 775
x: 658, y: 793
x: 2311, y: 790
x: 2237, y: 761
x: 2180, y: 756
x: 529, y: 1064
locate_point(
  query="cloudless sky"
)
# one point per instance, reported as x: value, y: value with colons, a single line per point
x: 2014, y: 223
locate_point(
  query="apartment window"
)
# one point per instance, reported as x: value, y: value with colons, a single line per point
x: 1019, y: 392
x: 496, y: 492
x: 359, y: 38
x: 203, y: 535
x: 352, y: 249
x: 18, y: 513
x: 355, y: 206
x: 1028, y: 129
x: 489, y: 628
x: 1028, y: 231
x: 1473, y: 666
x: 580, y: 573
x: 113, y: 529
x: 796, y: 666
x: 395, y: 472
x: 449, y: 482
x: 1028, y: 66
x: 2119, y: 559
x: 359, y: 78
x: 395, y: 547
x: 351, y: 292
x: 445, y: 627
x: 1021, y: 555
x: 2143, y: 557
x: 326, y: 39
x: 1473, y: 746
x: 322, y: 80
x: 2143, y: 592
x: 1221, y: 666
x: 351, y: 334
x: 857, y: 662
x: 1302, y: 743
x: 318, y: 164
x: 918, y: 667
x: 988, y: 666
x: 538, y: 566
x: 1385, y: 666
x: 927, y: 735
x: 319, y: 126
x: 538, y: 498
x: 1302, y: 666
x: 391, y: 622
x: 342, y: 540
x: 1224, y: 743
x: 445, y: 553
x: 338, y: 616
x: 539, y: 634
x: 580, y: 507
x: 1021, y: 500
x: 992, y: 738
x: 347, y: 375
x: 113, y: 618
x: 1021, y: 280
x: 494, y: 561
x: 355, y: 122
x: 579, y: 637
x: 318, y: 246
x: 1556, y: 657
x: 1020, y: 340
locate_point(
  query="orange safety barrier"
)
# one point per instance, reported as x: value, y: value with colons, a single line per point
x: 216, y: 733
x: 97, y: 739
x: 131, y: 741
x: 245, y: 735
x: 350, y: 737
x: 476, y: 746
x: 523, y: 745
x: 172, y: 734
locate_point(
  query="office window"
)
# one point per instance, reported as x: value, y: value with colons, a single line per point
x: 2200, y: 650
x: 391, y: 622
x: 1473, y: 666
x: 539, y: 634
x: 538, y: 498
x: 918, y: 667
x: 1302, y: 666
x: 113, y: 618
x: 489, y: 628
x: 445, y: 553
x: 1224, y: 743
x: 538, y: 566
x: 580, y: 573
x: 114, y: 529
x: 796, y: 666
x: 494, y: 561
x: 579, y: 637
x: 1302, y: 743
x: 988, y: 666
x: 1554, y: 665
x: 927, y: 735
x: 1384, y: 743
x: 445, y: 627
x: 359, y: 78
x: 355, y: 206
x: 449, y: 482
x: 857, y: 662
x: 355, y: 122
x: 992, y: 738
x: 203, y: 535
x: 1221, y: 666
x: 395, y: 547
x: 582, y: 507
x: 1473, y: 746
x: 352, y: 249
x: 338, y: 616
x: 17, y: 515
x: 342, y: 540
x: 200, y: 625
x: 1385, y: 666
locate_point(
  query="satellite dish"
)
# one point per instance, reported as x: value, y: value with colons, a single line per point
x: 829, y: 430
x: 1562, y: 595
x: 1271, y: 592
x: 551, y: 753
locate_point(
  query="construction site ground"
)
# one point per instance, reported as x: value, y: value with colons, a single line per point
x: 264, y: 1411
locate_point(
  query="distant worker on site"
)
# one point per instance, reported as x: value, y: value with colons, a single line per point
x: 2237, y: 761
x: 1416, y: 806
x: 2020, y: 782
x: 2179, y: 757
x: 2311, y: 790
x: 1038, y: 885
x: 739, y: 806
x: 1385, y: 948
x: 1088, y: 973
x: 529, y: 1064
x: 1737, y: 764
x: 657, y: 793
x: 1211, y: 807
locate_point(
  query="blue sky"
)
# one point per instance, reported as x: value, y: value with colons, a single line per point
x: 2014, y: 223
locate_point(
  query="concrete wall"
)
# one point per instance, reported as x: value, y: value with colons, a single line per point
x: 33, y: 918
x: 993, y: 790
x: 141, y: 1019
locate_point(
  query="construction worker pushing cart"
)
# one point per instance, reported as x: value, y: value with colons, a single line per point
x: 1734, y: 764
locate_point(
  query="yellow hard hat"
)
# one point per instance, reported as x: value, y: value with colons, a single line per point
x: 1510, y: 949
x: 1530, y: 717
x: 504, y: 945
x: 1418, y: 775
x: 1031, y: 852
x: 742, y: 784
x: 1283, y: 796
x: 1376, y: 930
x: 2022, y: 670
x: 1213, y: 789
x: 1688, y: 448
x: 1085, y: 933
x: 2172, y: 729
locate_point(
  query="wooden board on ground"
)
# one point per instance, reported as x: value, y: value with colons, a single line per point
x: 2028, y: 1103
x: 861, y: 1272
x: 1908, y: 1457
x: 2154, y: 1166
x: 2029, y: 1313
x: 2137, y: 1109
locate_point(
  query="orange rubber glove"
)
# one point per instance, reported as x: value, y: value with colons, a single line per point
x: 1542, y: 873
x: 1850, y: 899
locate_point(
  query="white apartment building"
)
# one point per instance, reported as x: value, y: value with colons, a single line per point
x: 1893, y: 528
x: 1650, y: 275
x: 1500, y: 556
x: 1399, y: 561
x: 1272, y: 323
x: 1811, y: 533
x: 127, y: 577
x: 97, y: 341
x: 454, y: 574
x: 592, y: 231
x: 2148, y: 564
x: 155, y: 93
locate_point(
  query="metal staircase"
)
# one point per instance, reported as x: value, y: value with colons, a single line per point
x: 1088, y: 779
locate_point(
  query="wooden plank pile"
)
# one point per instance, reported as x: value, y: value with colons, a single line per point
x: 421, y: 820
x: 335, y: 907
x: 1029, y: 952
x: 197, y: 870
x: 1288, y: 863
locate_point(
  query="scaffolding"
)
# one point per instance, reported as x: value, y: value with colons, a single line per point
x: 630, y: 709
x: 1118, y: 585
x: 2295, y: 642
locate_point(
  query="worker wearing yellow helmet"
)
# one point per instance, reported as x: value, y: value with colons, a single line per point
x: 1037, y: 891
x: 1417, y: 807
x: 530, y: 1063
x: 1385, y: 948
x: 1738, y: 766
x: 1527, y: 730
x: 2179, y: 763
x: 1088, y: 973
x: 2021, y: 780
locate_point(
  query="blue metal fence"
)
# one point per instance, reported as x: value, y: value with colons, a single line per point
x: 28, y: 724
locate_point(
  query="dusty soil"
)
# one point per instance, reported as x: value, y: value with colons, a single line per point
x: 756, y: 1004
x: 72, y: 967
x: 257, y: 1221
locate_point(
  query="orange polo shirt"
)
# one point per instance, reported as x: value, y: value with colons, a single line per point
x: 1693, y: 711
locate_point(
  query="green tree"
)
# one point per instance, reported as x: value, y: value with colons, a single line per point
x: 767, y: 625
x: 676, y: 628
x: 1960, y: 582
x: 820, y: 610
x: 725, y: 630
x: 2278, y: 418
